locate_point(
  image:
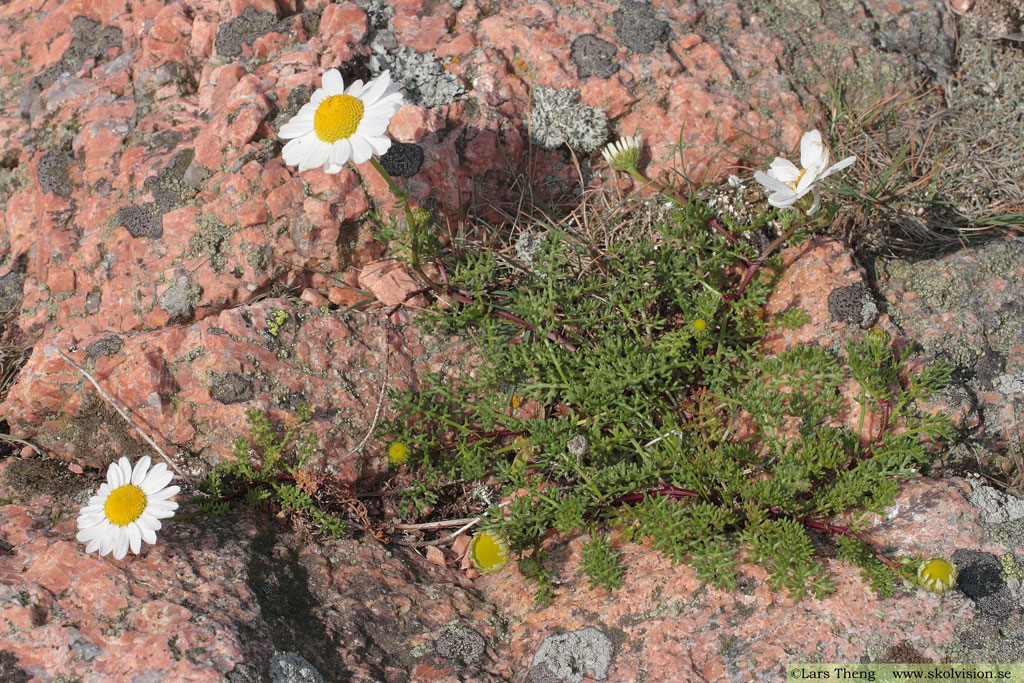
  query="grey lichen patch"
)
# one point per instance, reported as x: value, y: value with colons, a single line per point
x: 142, y: 220
x: 291, y: 667
x: 461, y: 644
x: 107, y: 346
x: 637, y: 26
x: 853, y: 304
x: 242, y: 30
x: 421, y: 75
x: 593, y: 57
x: 11, y: 294
x: 996, y: 507
x: 556, y: 118
x: 212, y: 241
x: 569, y: 657
x: 180, y: 298
x: 53, y: 173
x: 230, y: 387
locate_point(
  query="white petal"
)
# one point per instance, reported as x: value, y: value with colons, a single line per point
x: 782, y: 200
x: 361, y: 149
x: 807, y: 181
x: 380, y: 144
x: 332, y: 168
x: 153, y: 485
x: 107, y: 542
x: 771, y: 183
x: 341, y: 152
x: 357, y: 89
x: 121, y: 549
x: 377, y: 88
x: 817, y: 201
x: 148, y: 521
x: 296, y: 150
x: 90, y: 532
x: 296, y: 127
x: 94, y: 545
x: 784, y: 170
x: 839, y: 166
x: 114, y: 475
x: 333, y: 83
x: 134, y: 538
x: 317, y: 155
x: 92, y: 519
x: 163, y: 494
x: 141, y: 467
x: 148, y: 535
x: 812, y: 150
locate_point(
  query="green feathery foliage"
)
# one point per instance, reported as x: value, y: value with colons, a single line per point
x: 661, y: 415
x: 263, y: 470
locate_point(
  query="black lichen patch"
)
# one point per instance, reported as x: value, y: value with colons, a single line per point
x: 91, y: 41
x: 242, y: 30
x: 231, y: 387
x: 11, y: 294
x: 989, y: 367
x: 142, y: 220
x: 53, y: 173
x: 403, y: 159
x: 10, y: 672
x: 107, y: 346
x: 461, y: 644
x: 637, y: 27
x: 981, y: 579
x: 853, y: 304
x: 25, y: 478
x: 593, y: 57
x: 166, y: 186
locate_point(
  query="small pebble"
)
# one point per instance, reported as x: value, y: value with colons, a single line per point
x: 961, y: 5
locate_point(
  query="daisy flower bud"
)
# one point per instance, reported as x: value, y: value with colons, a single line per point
x: 624, y: 153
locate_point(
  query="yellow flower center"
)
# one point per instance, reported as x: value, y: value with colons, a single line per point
x: 937, y: 575
x: 125, y: 505
x: 337, y: 117
x: 792, y: 185
x: 398, y: 453
x: 700, y: 325
x: 488, y: 551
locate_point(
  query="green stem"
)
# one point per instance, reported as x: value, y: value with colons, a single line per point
x: 414, y: 228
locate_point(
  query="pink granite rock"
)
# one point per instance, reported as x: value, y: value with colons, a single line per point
x: 218, y: 596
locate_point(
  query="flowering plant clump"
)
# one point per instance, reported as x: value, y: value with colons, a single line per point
x: 128, y: 508
x: 640, y: 359
x: 789, y: 184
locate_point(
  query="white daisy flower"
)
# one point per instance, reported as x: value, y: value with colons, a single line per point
x: 789, y: 183
x: 624, y: 154
x: 128, y: 508
x: 338, y: 124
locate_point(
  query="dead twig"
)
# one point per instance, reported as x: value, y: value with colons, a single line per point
x: 106, y: 397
